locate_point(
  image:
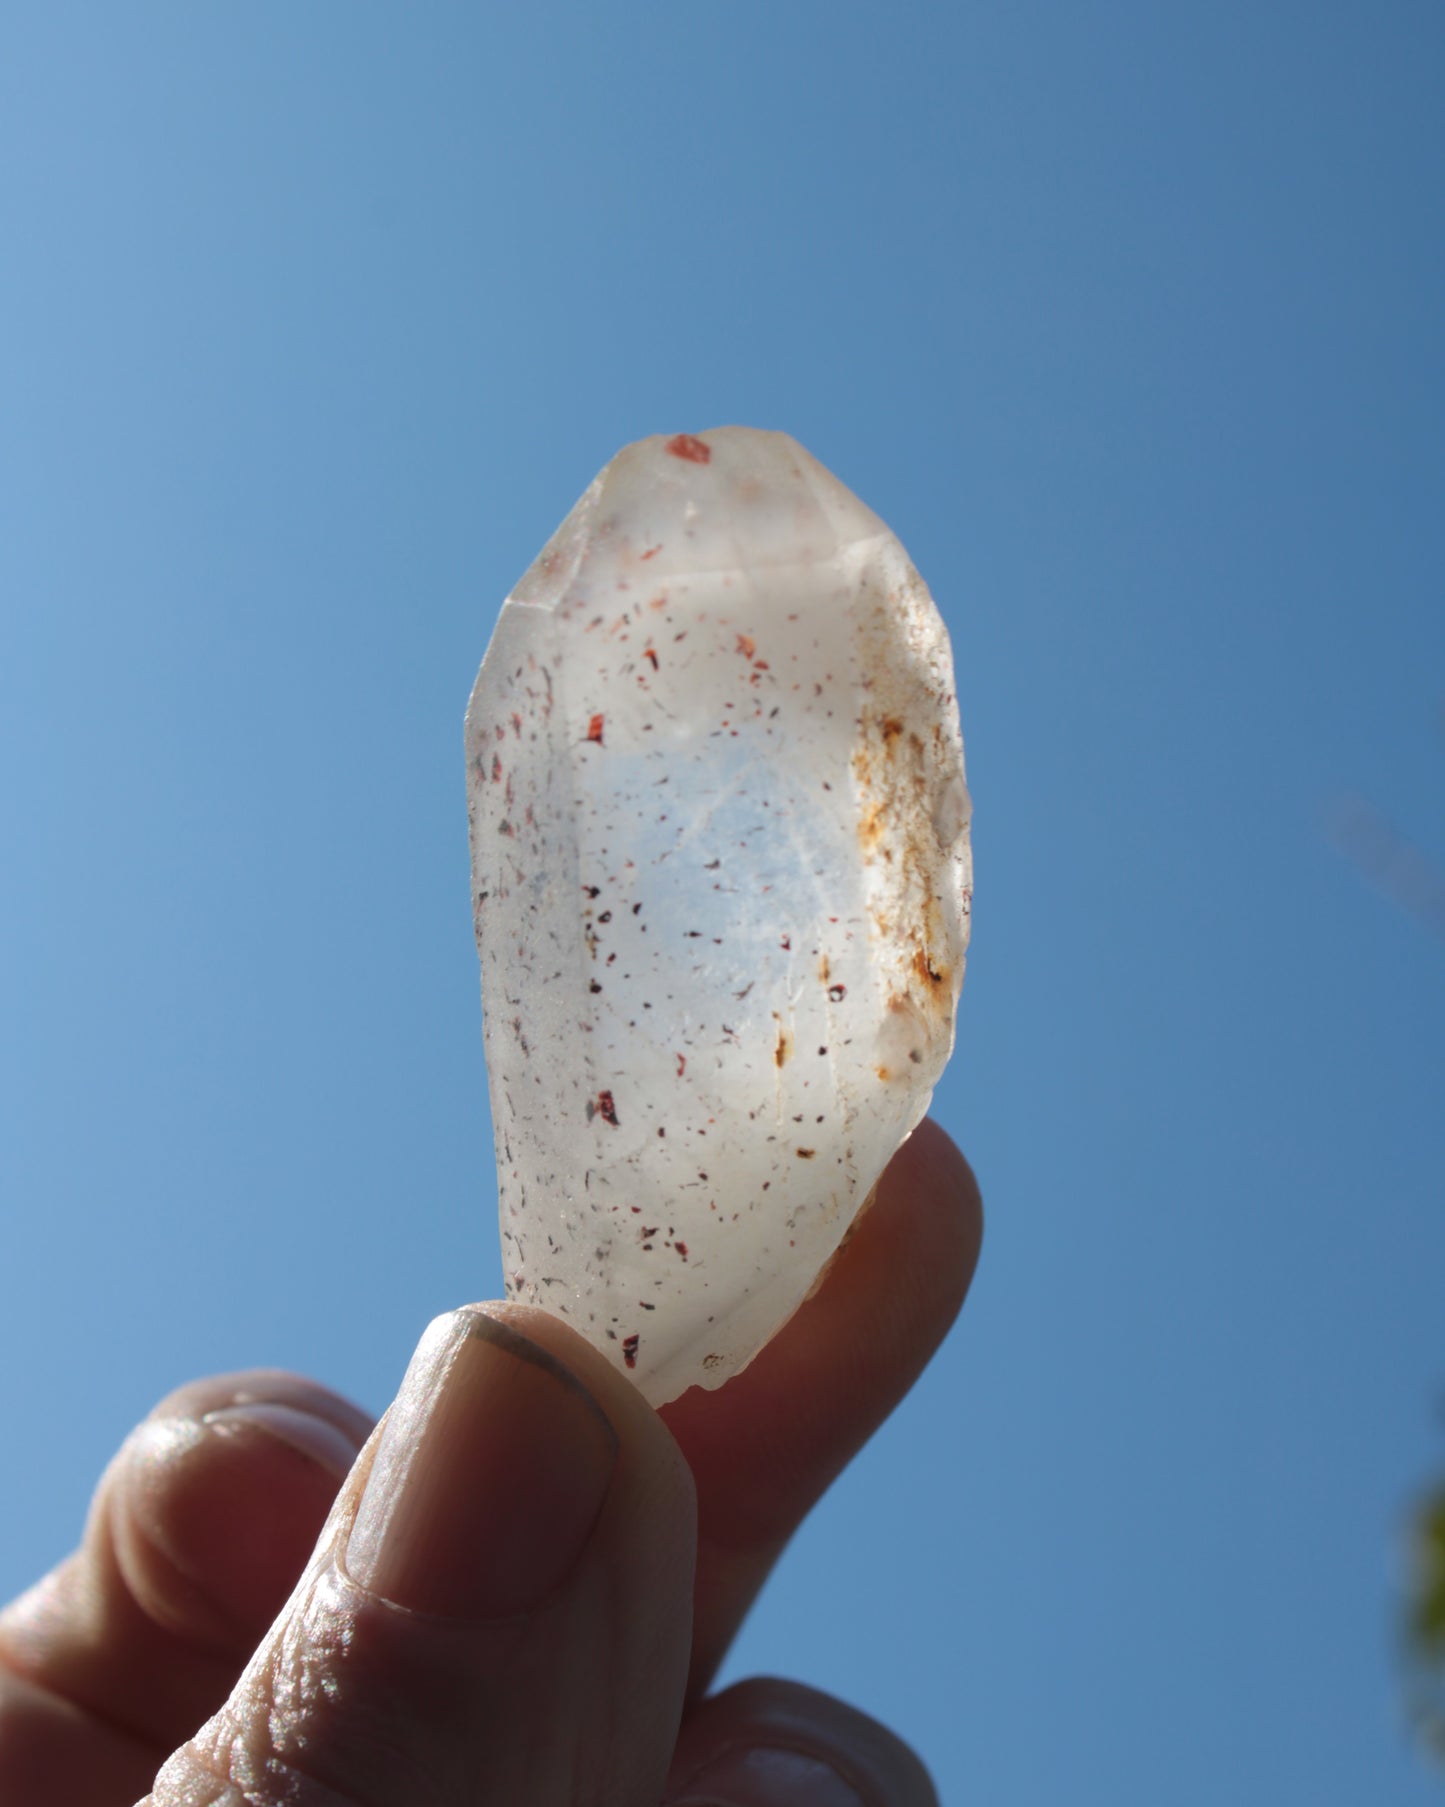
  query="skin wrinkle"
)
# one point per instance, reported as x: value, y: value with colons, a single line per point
x: 299, y: 1672
x: 221, y: 1745
x: 258, y: 1742
x: 195, y: 1777
x: 312, y: 1683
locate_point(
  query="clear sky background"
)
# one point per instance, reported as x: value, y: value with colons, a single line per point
x: 315, y: 320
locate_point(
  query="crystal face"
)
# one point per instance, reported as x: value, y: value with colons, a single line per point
x: 722, y: 880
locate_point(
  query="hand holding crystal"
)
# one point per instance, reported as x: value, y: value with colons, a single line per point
x: 722, y: 889
x: 518, y: 1586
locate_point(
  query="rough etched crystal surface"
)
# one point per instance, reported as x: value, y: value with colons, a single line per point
x: 722, y: 881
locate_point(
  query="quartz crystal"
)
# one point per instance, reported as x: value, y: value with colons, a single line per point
x: 722, y: 878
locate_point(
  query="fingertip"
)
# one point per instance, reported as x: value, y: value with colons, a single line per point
x: 930, y: 1169
x: 316, y: 1439
x: 488, y: 1478
x: 199, y: 1530
x: 929, y: 1211
x: 765, y: 1446
x: 212, y: 1516
x: 642, y: 1433
x: 771, y: 1743
x: 268, y: 1387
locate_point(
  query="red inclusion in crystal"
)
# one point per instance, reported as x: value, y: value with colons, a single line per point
x: 696, y: 451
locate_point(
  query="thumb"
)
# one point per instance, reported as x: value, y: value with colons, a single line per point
x: 499, y: 1607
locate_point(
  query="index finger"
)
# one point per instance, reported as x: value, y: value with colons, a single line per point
x: 765, y: 1447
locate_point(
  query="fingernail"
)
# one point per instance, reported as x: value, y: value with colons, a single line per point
x: 488, y: 1479
x: 318, y: 1439
x: 769, y: 1776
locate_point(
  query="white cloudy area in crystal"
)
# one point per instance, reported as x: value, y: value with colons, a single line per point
x: 722, y: 883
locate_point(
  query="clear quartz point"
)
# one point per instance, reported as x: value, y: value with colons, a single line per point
x: 722, y: 881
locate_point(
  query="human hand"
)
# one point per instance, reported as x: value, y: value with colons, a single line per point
x: 519, y: 1593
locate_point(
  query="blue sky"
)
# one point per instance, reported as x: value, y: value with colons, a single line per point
x: 316, y: 320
